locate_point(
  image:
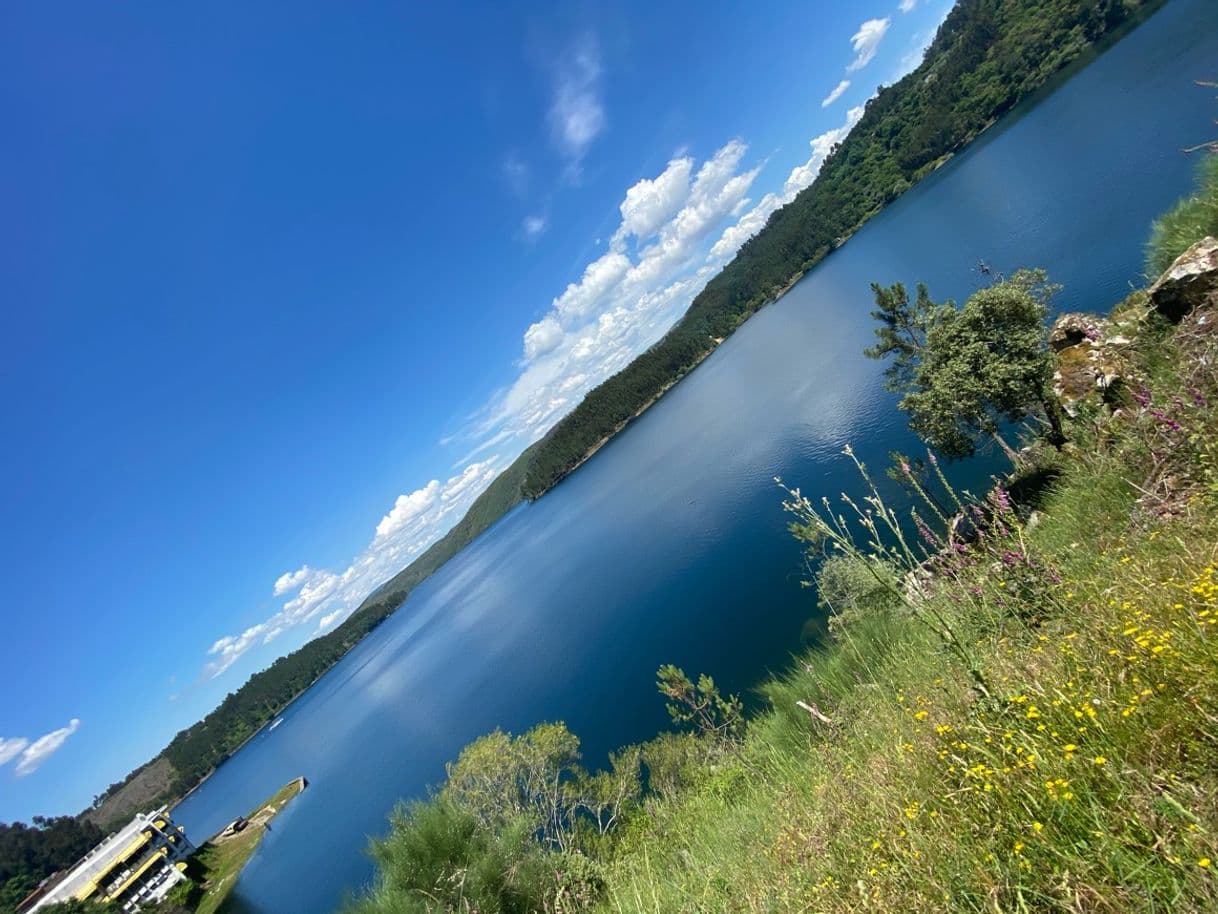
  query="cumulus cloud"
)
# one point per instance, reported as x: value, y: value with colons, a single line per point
x: 907, y: 6
x: 31, y: 755
x: 866, y: 42
x: 290, y: 580
x: 577, y: 115
x: 407, y: 508
x: 652, y: 202
x: 324, y: 598
x: 838, y: 91
x: 542, y: 337
x: 625, y: 298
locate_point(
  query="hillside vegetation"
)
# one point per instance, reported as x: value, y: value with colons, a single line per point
x: 986, y: 57
x: 1015, y: 711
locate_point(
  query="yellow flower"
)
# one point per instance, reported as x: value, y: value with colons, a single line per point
x: 1100, y: 760
x: 1037, y: 827
x: 920, y: 715
x: 1204, y: 863
x: 1019, y: 847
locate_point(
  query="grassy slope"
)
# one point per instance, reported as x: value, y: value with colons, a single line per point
x: 1088, y: 783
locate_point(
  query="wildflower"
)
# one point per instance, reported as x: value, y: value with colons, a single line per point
x: 1019, y: 846
x: 920, y: 715
x: 1100, y: 760
x: 1037, y: 827
x: 1204, y: 863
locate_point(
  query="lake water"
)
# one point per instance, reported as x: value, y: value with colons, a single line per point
x: 670, y: 545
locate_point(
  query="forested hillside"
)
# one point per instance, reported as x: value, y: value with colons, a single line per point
x: 987, y: 56
x: 30, y: 853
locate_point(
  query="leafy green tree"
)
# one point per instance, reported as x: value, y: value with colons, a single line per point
x: 972, y: 368
x: 700, y: 705
x: 608, y: 796
x: 30, y: 853
x: 901, y: 335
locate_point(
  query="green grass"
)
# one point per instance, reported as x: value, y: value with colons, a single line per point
x: 1189, y: 220
x: 1087, y: 782
x: 217, y: 865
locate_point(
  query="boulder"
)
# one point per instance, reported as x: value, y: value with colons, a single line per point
x: 1090, y: 362
x: 1072, y: 329
x: 1192, y: 280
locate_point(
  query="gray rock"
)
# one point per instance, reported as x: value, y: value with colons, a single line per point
x: 1189, y: 282
x: 1075, y: 328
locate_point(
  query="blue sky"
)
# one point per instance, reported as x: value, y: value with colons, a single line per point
x: 285, y: 286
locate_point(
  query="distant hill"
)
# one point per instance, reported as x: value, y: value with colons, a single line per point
x: 987, y: 56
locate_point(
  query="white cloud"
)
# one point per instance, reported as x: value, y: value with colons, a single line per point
x: 534, y: 225
x: 325, y: 598
x: 290, y: 580
x: 866, y: 42
x: 652, y: 202
x: 600, y: 277
x: 626, y: 298
x: 907, y: 6
x: 838, y: 91
x: 577, y: 115
x: 800, y: 177
x: 32, y: 755
x: 407, y: 508
x: 542, y: 337
x: 11, y: 748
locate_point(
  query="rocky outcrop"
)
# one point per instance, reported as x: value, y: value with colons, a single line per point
x: 1190, y: 282
x: 1073, y: 329
x: 1090, y: 360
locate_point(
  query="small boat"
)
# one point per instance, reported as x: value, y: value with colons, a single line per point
x: 275, y: 723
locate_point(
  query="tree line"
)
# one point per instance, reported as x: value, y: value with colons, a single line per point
x: 986, y: 57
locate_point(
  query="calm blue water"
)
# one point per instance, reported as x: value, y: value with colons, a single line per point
x: 670, y: 546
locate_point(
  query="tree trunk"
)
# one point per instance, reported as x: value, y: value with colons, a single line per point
x: 1012, y: 454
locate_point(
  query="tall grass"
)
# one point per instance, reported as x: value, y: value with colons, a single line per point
x: 1087, y: 779
x: 1190, y: 220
